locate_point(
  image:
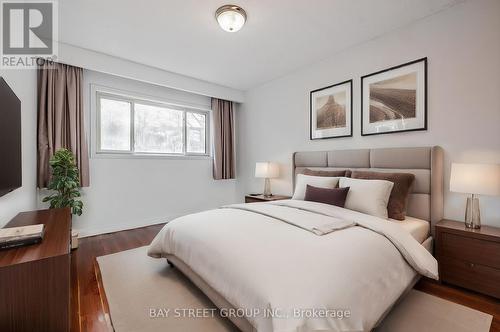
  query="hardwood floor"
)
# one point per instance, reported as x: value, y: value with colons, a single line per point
x: 87, y: 310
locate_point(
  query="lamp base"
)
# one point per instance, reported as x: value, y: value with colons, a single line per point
x: 267, y: 188
x: 472, y: 213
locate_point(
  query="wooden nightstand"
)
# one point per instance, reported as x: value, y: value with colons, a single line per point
x: 261, y: 198
x: 469, y: 258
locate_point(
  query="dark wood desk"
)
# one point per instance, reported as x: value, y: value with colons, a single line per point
x: 35, y: 279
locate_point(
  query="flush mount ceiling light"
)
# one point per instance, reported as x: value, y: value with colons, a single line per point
x: 231, y: 18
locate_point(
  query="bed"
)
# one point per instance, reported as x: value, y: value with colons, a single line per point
x: 280, y: 277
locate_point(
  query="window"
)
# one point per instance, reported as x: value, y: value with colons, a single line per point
x: 135, y: 126
x: 115, y: 125
x: 195, y: 127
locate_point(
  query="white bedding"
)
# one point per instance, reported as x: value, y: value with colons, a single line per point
x: 315, y: 223
x: 418, y: 228
x: 257, y: 262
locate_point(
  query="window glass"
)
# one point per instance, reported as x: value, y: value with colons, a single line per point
x: 158, y: 129
x: 195, y: 132
x: 115, y: 125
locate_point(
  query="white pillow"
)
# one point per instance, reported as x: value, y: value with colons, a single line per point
x: 302, y: 181
x: 367, y: 196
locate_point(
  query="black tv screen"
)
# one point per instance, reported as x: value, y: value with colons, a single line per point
x: 10, y: 139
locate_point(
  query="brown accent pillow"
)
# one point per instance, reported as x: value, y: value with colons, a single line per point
x: 333, y: 173
x: 335, y: 196
x: 398, y: 201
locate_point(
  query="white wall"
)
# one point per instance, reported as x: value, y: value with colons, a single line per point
x: 126, y: 193
x: 23, y: 83
x: 463, y: 47
x: 108, y: 64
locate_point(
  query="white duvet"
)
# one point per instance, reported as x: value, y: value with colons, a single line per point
x: 285, y: 276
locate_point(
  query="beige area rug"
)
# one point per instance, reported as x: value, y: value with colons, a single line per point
x: 421, y: 312
x: 138, y: 287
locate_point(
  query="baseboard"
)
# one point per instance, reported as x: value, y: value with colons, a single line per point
x: 122, y: 227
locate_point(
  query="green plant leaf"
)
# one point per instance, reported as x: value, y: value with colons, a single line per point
x: 65, y: 182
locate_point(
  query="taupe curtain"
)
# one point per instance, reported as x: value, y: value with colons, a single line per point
x: 61, y: 118
x: 223, y: 126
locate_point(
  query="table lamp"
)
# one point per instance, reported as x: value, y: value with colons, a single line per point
x: 266, y: 170
x: 475, y: 179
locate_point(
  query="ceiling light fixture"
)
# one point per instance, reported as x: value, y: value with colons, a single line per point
x: 231, y: 18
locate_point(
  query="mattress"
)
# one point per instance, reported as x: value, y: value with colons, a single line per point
x: 418, y: 228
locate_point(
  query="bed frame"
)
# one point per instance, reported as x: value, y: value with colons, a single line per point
x: 425, y: 202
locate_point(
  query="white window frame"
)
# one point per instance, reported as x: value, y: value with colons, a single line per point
x: 98, y: 92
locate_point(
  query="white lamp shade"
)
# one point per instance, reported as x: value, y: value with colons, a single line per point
x: 482, y: 179
x: 266, y: 170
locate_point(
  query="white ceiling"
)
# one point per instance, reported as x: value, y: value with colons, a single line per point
x: 280, y: 36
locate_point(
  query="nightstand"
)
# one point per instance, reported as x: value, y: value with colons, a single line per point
x: 469, y: 258
x: 261, y: 198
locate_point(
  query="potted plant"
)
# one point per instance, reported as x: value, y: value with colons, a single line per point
x: 65, y: 182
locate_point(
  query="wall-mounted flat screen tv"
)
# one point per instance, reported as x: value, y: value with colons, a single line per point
x: 10, y: 139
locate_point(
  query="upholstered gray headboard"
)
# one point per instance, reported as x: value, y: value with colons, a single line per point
x: 426, y: 200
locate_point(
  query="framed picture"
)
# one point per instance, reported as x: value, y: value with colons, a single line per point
x: 395, y: 99
x: 331, y: 111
